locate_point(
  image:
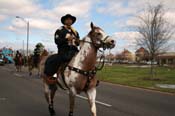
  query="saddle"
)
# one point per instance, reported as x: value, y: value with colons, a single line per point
x: 54, y: 61
x: 52, y: 81
x: 52, y: 64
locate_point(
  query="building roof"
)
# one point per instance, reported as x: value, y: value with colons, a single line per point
x: 167, y: 55
x: 110, y: 56
x: 125, y: 51
x: 141, y: 49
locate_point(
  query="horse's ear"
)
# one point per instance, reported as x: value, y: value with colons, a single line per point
x: 92, y: 26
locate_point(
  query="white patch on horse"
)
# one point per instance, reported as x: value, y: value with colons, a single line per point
x: 78, y: 61
x: 92, y: 96
x: 84, y: 52
x: 73, y: 90
x: 55, y: 75
x: 104, y: 35
x: 70, y: 78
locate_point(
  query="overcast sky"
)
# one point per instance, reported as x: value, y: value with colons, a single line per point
x: 113, y: 16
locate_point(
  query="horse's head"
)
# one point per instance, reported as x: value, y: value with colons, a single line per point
x: 100, y: 39
x: 44, y: 53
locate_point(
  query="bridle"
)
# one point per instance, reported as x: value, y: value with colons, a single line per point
x: 102, y: 42
x: 101, y: 59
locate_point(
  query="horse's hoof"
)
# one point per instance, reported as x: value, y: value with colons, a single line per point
x: 51, y: 110
x: 53, y: 114
x: 70, y: 113
x: 98, y: 82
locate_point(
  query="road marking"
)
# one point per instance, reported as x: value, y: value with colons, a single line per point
x: 98, y: 102
x: 3, y: 99
x: 18, y: 75
x: 85, y: 98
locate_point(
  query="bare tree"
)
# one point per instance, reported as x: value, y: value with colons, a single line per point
x: 155, y: 31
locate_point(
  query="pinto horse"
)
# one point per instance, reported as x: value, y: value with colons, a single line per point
x: 79, y: 74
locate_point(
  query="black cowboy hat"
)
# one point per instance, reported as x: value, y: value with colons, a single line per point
x: 63, y: 18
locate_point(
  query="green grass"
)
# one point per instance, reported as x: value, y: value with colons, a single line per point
x: 135, y: 76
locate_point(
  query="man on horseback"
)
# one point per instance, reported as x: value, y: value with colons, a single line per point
x: 80, y: 72
x: 67, y: 40
x: 39, y: 48
x: 18, y: 61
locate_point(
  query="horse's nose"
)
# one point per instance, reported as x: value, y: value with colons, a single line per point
x: 112, y: 41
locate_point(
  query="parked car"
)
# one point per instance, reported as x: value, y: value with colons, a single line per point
x: 1, y: 60
x: 149, y: 62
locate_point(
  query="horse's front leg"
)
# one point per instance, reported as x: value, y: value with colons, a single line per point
x: 72, y: 94
x: 16, y: 68
x: 91, y: 93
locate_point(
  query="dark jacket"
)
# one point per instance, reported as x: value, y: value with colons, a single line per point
x: 60, y: 37
x: 65, y: 54
x: 37, y: 52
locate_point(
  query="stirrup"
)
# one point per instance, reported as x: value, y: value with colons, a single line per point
x: 51, y: 80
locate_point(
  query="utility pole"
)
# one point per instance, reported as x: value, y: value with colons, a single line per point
x: 27, y: 22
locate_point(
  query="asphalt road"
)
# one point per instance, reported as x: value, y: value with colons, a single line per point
x: 21, y: 95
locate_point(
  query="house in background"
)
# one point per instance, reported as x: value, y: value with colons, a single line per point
x: 166, y: 58
x: 110, y: 58
x: 142, y: 55
x: 125, y: 56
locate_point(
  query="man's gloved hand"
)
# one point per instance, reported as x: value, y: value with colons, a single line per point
x: 69, y: 37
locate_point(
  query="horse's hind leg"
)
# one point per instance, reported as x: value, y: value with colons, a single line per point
x: 20, y: 68
x: 91, y: 93
x: 30, y: 70
x: 17, y: 68
x: 39, y: 72
x: 49, y: 95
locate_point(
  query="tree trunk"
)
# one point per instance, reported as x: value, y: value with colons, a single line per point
x: 152, y: 70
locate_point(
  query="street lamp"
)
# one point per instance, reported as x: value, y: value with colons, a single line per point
x: 27, y: 22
